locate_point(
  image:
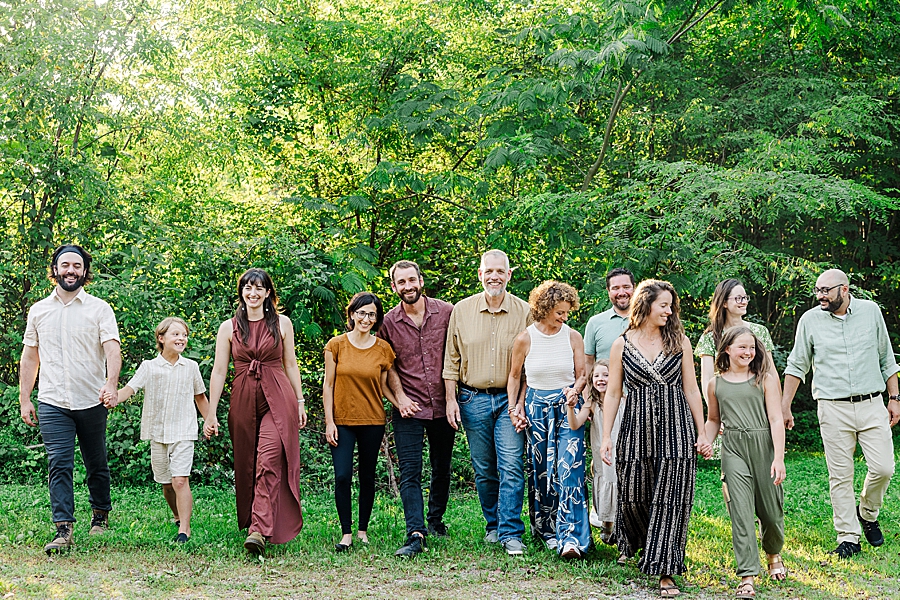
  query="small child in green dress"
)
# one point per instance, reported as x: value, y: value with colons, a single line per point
x: 746, y: 394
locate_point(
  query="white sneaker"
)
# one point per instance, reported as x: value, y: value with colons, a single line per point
x: 570, y: 550
x: 595, y: 520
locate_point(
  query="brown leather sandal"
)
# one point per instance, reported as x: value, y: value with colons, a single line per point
x: 745, y: 591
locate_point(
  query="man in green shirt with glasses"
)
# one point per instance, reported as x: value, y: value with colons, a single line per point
x: 845, y: 342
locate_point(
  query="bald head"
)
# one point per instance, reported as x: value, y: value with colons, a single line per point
x: 832, y: 277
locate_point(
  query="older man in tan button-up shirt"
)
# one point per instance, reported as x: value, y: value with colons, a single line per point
x: 476, y: 359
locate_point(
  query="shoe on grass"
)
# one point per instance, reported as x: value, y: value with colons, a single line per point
x: 492, y: 537
x: 871, y: 529
x: 182, y: 538
x: 255, y: 543
x: 595, y: 520
x: 846, y: 550
x: 438, y: 529
x: 62, y: 541
x: 570, y: 551
x: 514, y: 547
x: 415, y: 545
x: 99, y: 522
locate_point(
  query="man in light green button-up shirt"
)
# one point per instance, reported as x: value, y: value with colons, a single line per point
x: 845, y: 342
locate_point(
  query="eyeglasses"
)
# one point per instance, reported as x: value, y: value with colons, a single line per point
x: 362, y: 316
x: 741, y: 299
x: 823, y: 291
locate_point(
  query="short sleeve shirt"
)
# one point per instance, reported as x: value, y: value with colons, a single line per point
x: 69, y: 338
x: 601, y: 331
x: 706, y: 347
x: 358, y: 398
x: 168, y: 415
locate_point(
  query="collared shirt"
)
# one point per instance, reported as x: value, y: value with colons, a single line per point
x: 706, y: 346
x: 168, y: 415
x: 601, y: 331
x: 848, y: 356
x: 479, y: 342
x: 69, y: 338
x: 420, y: 354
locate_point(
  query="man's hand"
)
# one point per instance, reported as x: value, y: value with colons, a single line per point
x: 109, y: 395
x: 28, y: 414
x: 453, y: 413
x: 789, y: 418
x: 894, y: 411
x: 408, y: 408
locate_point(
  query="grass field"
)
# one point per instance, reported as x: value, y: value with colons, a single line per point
x: 136, y: 560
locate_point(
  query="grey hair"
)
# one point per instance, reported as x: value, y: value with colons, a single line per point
x: 496, y: 254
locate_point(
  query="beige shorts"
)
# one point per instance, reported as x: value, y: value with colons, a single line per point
x: 171, y: 460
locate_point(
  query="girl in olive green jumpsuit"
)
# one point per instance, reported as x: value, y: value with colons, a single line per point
x: 744, y: 396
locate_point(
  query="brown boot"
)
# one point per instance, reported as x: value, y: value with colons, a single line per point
x: 62, y: 541
x: 99, y: 522
x: 255, y: 543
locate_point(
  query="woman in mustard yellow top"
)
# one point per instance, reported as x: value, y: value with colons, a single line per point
x: 356, y: 367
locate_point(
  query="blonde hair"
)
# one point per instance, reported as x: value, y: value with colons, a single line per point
x: 595, y: 395
x: 164, y: 326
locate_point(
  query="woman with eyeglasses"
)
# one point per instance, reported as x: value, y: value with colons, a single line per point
x: 356, y: 368
x: 727, y: 309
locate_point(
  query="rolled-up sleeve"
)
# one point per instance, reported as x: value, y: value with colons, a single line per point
x: 800, y: 359
x: 887, y: 360
x: 451, y: 349
x: 109, y: 329
x: 31, y: 334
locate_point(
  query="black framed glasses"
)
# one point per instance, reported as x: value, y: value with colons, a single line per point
x: 362, y: 316
x: 823, y: 291
x: 740, y: 299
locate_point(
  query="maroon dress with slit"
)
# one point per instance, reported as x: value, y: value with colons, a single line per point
x: 264, y: 421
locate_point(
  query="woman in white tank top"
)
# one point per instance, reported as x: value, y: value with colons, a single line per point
x: 552, y: 355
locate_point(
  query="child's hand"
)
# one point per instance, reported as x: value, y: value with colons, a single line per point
x: 571, y: 397
x: 211, y: 427
x: 109, y: 399
x: 778, y: 471
x: 606, y: 451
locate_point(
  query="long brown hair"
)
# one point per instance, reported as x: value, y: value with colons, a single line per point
x: 759, y: 366
x: 718, y: 313
x: 270, y: 304
x: 644, y: 296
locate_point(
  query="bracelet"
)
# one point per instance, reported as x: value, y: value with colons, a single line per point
x: 301, y: 400
x: 511, y: 409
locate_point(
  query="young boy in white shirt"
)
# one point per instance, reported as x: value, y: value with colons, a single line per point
x: 172, y: 386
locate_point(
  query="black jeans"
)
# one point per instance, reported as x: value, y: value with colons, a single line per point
x: 59, y: 427
x: 409, y: 437
x: 368, y: 438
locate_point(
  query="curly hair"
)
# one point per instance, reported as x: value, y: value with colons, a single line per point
x: 547, y: 295
x: 644, y: 296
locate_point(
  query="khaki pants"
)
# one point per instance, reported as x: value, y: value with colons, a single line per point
x: 843, y: 424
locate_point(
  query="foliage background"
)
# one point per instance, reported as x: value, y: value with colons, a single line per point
x: 182, y: 142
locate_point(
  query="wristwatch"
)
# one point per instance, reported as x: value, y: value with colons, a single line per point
x: 897, y: 397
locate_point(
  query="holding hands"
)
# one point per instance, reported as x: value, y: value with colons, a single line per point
x: 704, y: 448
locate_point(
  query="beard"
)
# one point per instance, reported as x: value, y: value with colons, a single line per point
x: 70, y: 287
x: 835, y: 304
x: 492, y: 292
x: 622, y: 303
x: 406, y: 300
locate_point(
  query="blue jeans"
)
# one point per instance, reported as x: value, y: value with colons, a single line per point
x: 557, y: 456
x: 497, y: 452
x: 59, y: 426
x: 409, y: 438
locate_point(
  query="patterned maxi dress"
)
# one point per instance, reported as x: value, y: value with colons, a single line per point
x: 656, y: 463
x: 264, y: 423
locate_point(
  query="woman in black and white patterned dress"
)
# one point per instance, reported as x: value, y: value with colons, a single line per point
x: 662, y: 430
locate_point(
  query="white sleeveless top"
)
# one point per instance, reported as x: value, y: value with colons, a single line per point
x: 550, y: 364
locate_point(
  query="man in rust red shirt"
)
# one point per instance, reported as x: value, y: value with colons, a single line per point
x: 417, y: 330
